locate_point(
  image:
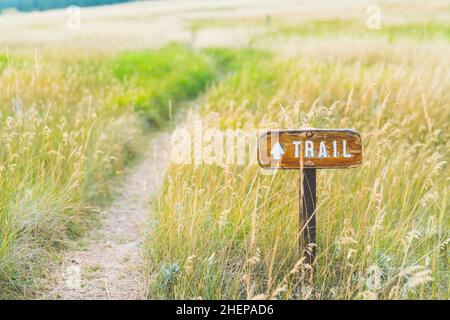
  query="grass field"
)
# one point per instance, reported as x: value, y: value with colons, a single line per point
x: 232, y: 233
x: 76, y: 109
x: 68, y: 129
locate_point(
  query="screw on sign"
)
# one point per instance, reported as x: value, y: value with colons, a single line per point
x: 309, y: 150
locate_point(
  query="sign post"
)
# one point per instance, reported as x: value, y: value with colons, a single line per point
x: 309, y: 150
x: 308, y: 196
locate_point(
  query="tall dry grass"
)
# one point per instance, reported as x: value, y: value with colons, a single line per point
x: 71, y: 124
x: 230, y: 232
x: 62, y: 139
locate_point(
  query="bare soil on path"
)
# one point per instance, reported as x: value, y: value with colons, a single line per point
x: 108, y: 266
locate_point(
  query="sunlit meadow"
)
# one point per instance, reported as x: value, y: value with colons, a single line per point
x: 232, y: 232
x: 77, y: 108
x: 70, y: 126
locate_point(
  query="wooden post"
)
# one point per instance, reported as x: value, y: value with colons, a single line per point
x: 308, y: 214
x: 309, y: 150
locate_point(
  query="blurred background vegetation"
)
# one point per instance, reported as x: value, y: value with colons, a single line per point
x: 31, y: 5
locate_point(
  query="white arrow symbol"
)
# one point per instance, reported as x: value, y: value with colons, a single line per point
x: 277, y: 151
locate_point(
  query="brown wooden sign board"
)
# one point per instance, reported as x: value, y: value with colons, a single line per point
x: 310, y: 148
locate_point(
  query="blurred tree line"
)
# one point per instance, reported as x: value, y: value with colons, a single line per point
x: 30, y: 5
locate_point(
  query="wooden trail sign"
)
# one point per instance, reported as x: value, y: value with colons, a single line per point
x: 309, y: 150
x: 318, y: 148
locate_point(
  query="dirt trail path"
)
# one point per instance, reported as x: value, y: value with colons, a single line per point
x: 108, y: 266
